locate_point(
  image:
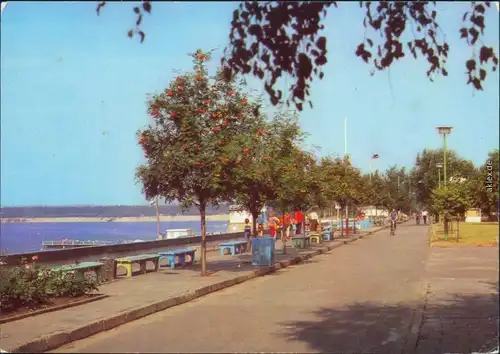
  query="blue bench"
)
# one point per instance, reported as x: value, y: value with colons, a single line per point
x: 178, y: 257
x: 233, y: 247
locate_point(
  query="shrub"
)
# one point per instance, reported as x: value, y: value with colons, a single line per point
x: 30, y: 286
x: 21, y: 286
x: 67, y: 284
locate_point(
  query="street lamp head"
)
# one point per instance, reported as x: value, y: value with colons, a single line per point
x: 444, y: 130
x: 439, y: 165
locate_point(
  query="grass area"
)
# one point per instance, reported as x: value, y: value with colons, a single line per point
x: 469, y: 234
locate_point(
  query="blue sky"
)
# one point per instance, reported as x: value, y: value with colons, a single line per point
x: 74, y: 90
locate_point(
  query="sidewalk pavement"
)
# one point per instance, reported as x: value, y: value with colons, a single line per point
x: 132, y: 298
x: 358, y: 298
x: 460, y: 314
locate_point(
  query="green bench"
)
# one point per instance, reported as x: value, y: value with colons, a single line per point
x: 81, y: 268
x: 301, y: 241
x: 142, y: 259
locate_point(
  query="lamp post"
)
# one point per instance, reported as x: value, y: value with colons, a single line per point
x: 158, y: 224
x: 444, y: 131
x: 374, y: 157
x: 439, y: 166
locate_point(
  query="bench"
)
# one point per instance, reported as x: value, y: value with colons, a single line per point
x: 300, y: 241
x: 315, y: 238
x: 142, y: 259
x: 81, y: 268
x: 233, y: 247
x: 327, y: 235
x: 177, y: 257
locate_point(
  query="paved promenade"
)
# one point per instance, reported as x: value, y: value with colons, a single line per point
x: 385, y: 294
x: 134, y: 293
x: 357, y: 298
x: 461, y: 307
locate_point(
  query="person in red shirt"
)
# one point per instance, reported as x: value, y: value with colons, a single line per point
x: 299, y: 219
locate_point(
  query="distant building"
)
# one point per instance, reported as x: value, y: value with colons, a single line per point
x: 371, y: 211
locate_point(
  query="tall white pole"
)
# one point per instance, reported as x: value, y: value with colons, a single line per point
x: 158, y: 223
x: 371, y: 169
x: 345, y: 136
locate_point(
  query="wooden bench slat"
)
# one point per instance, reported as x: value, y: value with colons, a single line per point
x: 79, y: 266
x: 233, y: 243
x: 140, y: 257
x: 179, y: 251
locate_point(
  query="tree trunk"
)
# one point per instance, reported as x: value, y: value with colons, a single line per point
x: 341, y: 221
x: 283, y: 233
x: 203, y: 249
x: 255, y: 215
x: 346, y: 221
x: 446, y: 229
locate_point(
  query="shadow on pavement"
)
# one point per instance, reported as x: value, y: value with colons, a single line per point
x: 239, y: 264
x: 464, y: 324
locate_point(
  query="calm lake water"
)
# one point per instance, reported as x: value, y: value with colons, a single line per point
x: 28, y: 237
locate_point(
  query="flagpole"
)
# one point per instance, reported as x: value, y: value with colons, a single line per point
x: 158, y: 223
x: 345, y: 136
x: 371, y: 158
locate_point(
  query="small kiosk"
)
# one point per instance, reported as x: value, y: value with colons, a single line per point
x: 473, y: 215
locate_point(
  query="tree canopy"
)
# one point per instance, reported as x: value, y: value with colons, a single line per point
x: 426, y: 173
x: 272, y: 39
x: 452, y: 200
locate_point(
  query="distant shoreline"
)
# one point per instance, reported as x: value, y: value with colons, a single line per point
x: 221, y: 217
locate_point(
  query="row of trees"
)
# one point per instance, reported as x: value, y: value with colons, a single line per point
x: 210, y: 143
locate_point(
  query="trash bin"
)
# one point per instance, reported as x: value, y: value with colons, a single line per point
x: 263, y: 251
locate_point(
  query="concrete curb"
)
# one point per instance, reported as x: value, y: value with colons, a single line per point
x: 53, y: 308
x: 411, y: 342
x: 59, y: 339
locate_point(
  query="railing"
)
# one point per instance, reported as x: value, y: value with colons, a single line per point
x: 97, y: 251
x: 438, y: 232
x: 76, y: 243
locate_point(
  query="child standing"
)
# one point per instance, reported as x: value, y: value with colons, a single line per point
x: 293, y: 227
x: 248, y: 229
x: 260, y: 229
x: 272, y: 227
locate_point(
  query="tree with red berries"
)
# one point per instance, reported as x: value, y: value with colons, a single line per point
x: 200, y: 124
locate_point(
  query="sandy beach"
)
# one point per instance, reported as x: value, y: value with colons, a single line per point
x: 223, y: 217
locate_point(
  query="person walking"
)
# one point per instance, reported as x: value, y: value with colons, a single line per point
x: 393, y: 218
x: 424, y: 216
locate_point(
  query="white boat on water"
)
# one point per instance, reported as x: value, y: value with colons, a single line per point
x: 176, y: 233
